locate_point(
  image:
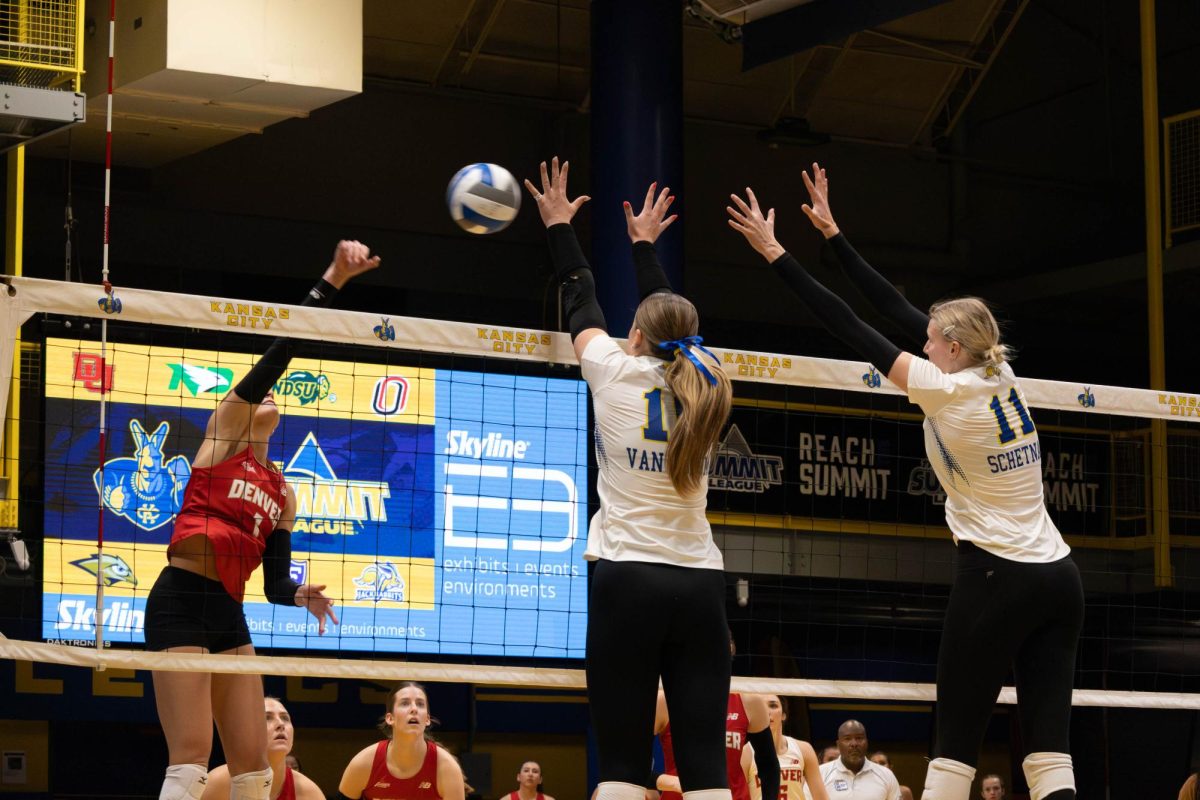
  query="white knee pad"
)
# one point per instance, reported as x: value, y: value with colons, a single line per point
x: 184, y: 782
x: 708, y: 794
x: 1047, y: 773
x: 948, y: 780
x: 615, y: 790
x: 251, y: 785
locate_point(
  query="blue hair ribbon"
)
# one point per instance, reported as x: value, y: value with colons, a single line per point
x: 685, y: 346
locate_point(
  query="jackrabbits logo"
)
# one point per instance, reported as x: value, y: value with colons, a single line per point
x: 146, y: 488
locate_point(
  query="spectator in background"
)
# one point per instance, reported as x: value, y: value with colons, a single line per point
x: 830, y: 753
x: 292, y: 763
x: 853, y: 776
x: 992, y: 787
x: 881, y: 758
x: 529, y: 783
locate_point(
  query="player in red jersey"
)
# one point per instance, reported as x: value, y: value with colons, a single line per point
x: 747, y: 718
x: 287, y: 784
x: 529, y: 779
x: 406, y: 765
x: 237, y: 512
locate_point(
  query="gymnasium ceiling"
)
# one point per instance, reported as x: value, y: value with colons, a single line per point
x: 900, y: 82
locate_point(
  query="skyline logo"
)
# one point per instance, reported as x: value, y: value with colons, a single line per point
x: 737, y: 468
x: 199, y: 379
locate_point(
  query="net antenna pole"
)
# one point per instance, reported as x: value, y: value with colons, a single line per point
x: 109, y: 300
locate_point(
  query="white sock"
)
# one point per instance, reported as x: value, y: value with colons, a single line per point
x: 251, y: 785
x: 948, y: 780
x: 708, y: 794
x: 613, y: 790
x: 1047, y: 773
x: 183, y: 782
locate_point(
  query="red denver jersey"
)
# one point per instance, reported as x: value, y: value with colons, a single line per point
x: 517, y: 796
x: 383, y: 785
x: 736, y: 730
x: 236, y: 504
x: 289, y: 786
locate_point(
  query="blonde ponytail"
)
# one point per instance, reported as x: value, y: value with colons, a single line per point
x: 701, y: 389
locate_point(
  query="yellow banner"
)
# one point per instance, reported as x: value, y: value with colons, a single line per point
x: 388, y: 582
x: 169, y: 376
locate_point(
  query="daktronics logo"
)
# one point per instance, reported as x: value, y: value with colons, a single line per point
x: 80, y: 615
x: 391, y: 395
x: 92, y: 371
x: 739, y: 469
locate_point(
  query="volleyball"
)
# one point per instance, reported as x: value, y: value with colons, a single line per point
x: 483, y: 198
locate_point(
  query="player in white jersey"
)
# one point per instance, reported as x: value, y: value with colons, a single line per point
x: 656, y: 606
x: 798, y: 767
x: 1017, y: 593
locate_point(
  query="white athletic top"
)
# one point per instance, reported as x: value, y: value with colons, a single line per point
x: 985, y: 451
x: 872, y: 782
x: 791, y: 773
x: 641, y: 516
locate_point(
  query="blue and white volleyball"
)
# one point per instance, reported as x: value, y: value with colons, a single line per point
x: 483, y: 198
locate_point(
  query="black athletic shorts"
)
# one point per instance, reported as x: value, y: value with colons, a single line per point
x: 186, y: 609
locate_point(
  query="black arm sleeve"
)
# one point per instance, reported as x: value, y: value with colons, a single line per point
x: 278, y: 585
x: 264, y: 374
x: 651, y: 277
x: 837, y: 317
x: 880, y: 292
x: 767, y: 762
x: 575, y: 275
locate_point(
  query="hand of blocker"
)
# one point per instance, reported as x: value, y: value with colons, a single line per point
x: 649, y: 224
x: 311, y: 596
x: 759, y: 230
x: 552, y: 200
x: 818, y: 191
x: 350, y: 259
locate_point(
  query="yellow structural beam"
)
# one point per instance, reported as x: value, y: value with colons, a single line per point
x: 13, y: 254
x: 1160, y: 510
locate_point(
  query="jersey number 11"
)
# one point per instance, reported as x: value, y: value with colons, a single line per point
x: 1007, y: 434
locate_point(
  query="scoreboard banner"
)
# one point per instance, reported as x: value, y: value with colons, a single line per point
x: 821, y: 465
x: 445, y: 510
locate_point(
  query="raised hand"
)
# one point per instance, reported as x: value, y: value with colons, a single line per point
x: 818, y: 192
x: 552, y: 200
x: 311, y: 596
x: 759, y: 230
x: 649, y: 222
x: 350, y: 259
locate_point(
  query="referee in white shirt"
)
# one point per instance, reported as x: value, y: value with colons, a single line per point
x: 1017, y: 592
x: 853, y: 776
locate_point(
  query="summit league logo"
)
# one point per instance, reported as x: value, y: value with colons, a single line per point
x: 737, y: 468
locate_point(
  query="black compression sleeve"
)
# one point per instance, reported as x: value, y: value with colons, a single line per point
x: 880, y: 293
x: 578, y: 285
x: 837, y: 317
x: 766, y: 760
x: 651, y: 277
x: 267, y: 371
x: 278, y: 585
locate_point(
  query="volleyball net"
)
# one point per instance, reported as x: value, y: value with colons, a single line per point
x: 441, y: 473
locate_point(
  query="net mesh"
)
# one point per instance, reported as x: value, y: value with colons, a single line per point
x: 441, y: 476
